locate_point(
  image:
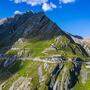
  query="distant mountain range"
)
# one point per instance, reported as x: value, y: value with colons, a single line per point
x: 87, y: 40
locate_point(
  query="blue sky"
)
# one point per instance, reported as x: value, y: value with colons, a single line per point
x: 71, y: 15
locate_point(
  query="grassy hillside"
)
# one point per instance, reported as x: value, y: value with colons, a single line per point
x: 29, y: 68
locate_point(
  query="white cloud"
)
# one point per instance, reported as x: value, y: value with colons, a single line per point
x: 31, y: 2
x: 17, y: 1
x: 48, y: 6
x: 53, y: 5
x: 17, y: 12
x: 45, y: 4
x: 66, y: 1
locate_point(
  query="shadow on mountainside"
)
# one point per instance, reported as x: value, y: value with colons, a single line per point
x: 7, y: 72
x: 74, y: 73
x: 53, y: 77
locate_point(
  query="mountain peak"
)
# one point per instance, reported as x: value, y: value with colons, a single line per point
x: 34, y: 51
x: 32, y: 23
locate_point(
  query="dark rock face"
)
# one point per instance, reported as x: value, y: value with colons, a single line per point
x: 76, y: 36
x: 28, y: 25
x: 74, y: 73
x: 51, y: 81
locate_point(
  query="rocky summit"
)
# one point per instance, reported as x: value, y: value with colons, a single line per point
x: 35, y: 54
